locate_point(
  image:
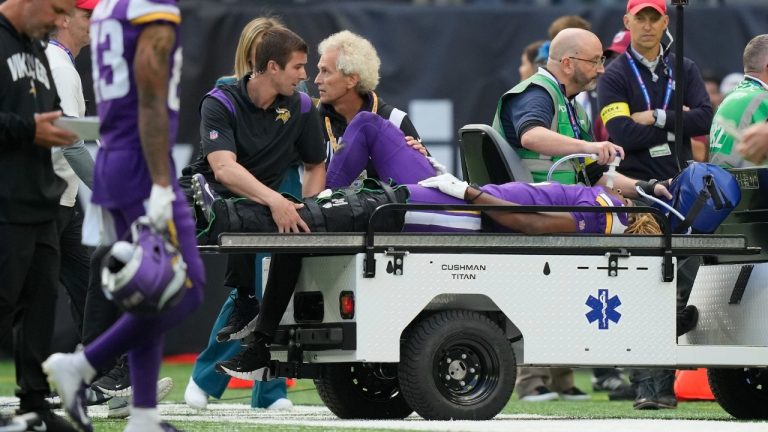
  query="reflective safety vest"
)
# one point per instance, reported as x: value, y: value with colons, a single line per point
x: 746, y: 105
x: 537, y: 163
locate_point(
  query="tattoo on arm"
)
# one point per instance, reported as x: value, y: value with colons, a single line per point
x: 151, y: 72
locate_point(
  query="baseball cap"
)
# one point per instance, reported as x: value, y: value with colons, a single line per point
x: 620, y: 42
x: 635, y: 6
x: 86, y: 4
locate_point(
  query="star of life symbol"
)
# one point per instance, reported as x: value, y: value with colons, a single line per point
x: 603, y: 309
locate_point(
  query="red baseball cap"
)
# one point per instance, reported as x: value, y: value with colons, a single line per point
x: 620, y: 42
x: 635, y: 6
x: 86, y: 4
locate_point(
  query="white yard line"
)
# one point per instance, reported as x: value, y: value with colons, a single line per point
x: 321, y: 417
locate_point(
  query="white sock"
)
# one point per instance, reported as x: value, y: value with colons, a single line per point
x: 84, y: 366
x: 143, y: 418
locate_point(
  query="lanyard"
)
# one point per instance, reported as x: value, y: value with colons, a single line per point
x: 644, y: 89
x: 329, y: 129
x: 572, y: 118
x: 582, y: 166
x: 58, y: 44
x: 574, y: 121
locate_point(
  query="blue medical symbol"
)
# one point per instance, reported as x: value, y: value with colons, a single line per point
x: 603, y: 309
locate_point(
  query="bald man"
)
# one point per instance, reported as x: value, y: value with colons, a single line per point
x: 540, y: 120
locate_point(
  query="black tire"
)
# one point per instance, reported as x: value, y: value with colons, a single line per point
x: 457, y: 365
x: 362, y: 391
x: 743, y: 393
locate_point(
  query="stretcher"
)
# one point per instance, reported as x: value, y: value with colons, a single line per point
x: 389, y: 323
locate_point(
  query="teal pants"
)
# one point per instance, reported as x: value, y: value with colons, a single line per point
x: 204, y: 373
x: 213, y: 383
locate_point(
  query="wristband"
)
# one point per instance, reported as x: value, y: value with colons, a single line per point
x: 471, y: 200
x: 648, y: 186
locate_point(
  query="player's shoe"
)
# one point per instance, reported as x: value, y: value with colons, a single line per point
x: 116, y: 382
x: 204, y: 195
x: 119, y: 407
x: 252, y: 363
x: 64, y: 376
x: 242, y: 319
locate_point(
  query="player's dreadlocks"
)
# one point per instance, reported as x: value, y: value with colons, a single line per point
x: 642, y: 223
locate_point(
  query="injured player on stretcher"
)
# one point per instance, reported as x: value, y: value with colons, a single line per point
x: 348, y: 209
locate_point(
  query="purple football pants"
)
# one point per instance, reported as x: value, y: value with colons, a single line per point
x: 370, y: 136
x: 142, y: 336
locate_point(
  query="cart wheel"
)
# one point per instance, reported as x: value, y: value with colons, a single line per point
x: 457, y: 365
x: 743, y: 393
x: 362, y: 391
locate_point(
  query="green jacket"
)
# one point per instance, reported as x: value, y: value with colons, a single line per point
x: 746, y: 105
x: 537, y: 163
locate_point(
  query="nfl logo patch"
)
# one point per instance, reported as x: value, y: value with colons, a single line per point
x: 213, y: 134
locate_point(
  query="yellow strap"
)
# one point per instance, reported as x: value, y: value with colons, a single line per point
x: 331, y: 137
x: 375, y: 105
x: 157, y: 16
x: 618, y: 109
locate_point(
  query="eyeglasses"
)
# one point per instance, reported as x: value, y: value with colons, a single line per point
x: 600, y: 62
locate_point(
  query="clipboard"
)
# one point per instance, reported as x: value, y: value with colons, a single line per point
x: 87, y: 128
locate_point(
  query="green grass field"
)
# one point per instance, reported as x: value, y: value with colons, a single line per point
x: 304, y: 394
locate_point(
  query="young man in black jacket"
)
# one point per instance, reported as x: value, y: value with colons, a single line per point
x: 636, y: 93
x: 635, y: 97
x: 29, y: 197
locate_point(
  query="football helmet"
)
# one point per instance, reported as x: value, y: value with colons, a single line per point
x: 146, y: 275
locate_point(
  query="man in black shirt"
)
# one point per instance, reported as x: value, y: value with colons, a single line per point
x: 251, y: 132
x: 635, y: 96
x: 254, y: 129
x: 636, y: 93
x: 29, y: 197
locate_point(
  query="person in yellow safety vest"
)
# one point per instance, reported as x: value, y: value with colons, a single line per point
x: 746, y: 105
x: 539, y: 120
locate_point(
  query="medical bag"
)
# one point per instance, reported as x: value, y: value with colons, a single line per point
x: 704, y: 194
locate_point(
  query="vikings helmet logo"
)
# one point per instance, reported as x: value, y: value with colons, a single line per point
x: 283, y: 114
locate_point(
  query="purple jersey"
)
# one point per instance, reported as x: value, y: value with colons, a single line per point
x: 551, y: 194
x: 121, y: 174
